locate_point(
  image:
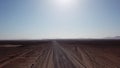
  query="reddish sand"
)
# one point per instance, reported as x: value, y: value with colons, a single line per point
x: 60, y: 55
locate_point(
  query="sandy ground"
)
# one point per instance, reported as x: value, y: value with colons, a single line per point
x: 10, y: 45
x: 57, y: 55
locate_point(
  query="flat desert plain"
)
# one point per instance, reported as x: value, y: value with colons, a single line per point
x: 61, y: 54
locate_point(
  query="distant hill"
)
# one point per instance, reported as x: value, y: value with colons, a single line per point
x: 116, y: 37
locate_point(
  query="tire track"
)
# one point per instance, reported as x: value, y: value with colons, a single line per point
x: 14, y: 57
x: 68, y: 59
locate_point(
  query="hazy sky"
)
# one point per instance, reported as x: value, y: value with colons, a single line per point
x: 38, y: 19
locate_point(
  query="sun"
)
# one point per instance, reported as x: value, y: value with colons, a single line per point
x: 64, y: 4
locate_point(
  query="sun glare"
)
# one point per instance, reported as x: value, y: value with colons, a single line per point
x: 64, y: 4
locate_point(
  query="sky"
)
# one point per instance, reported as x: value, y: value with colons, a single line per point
x: 52, y: 19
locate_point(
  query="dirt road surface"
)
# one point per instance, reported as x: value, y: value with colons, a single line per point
x: 58, y: 55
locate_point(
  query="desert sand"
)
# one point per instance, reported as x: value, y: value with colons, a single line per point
x: 55, y: 54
